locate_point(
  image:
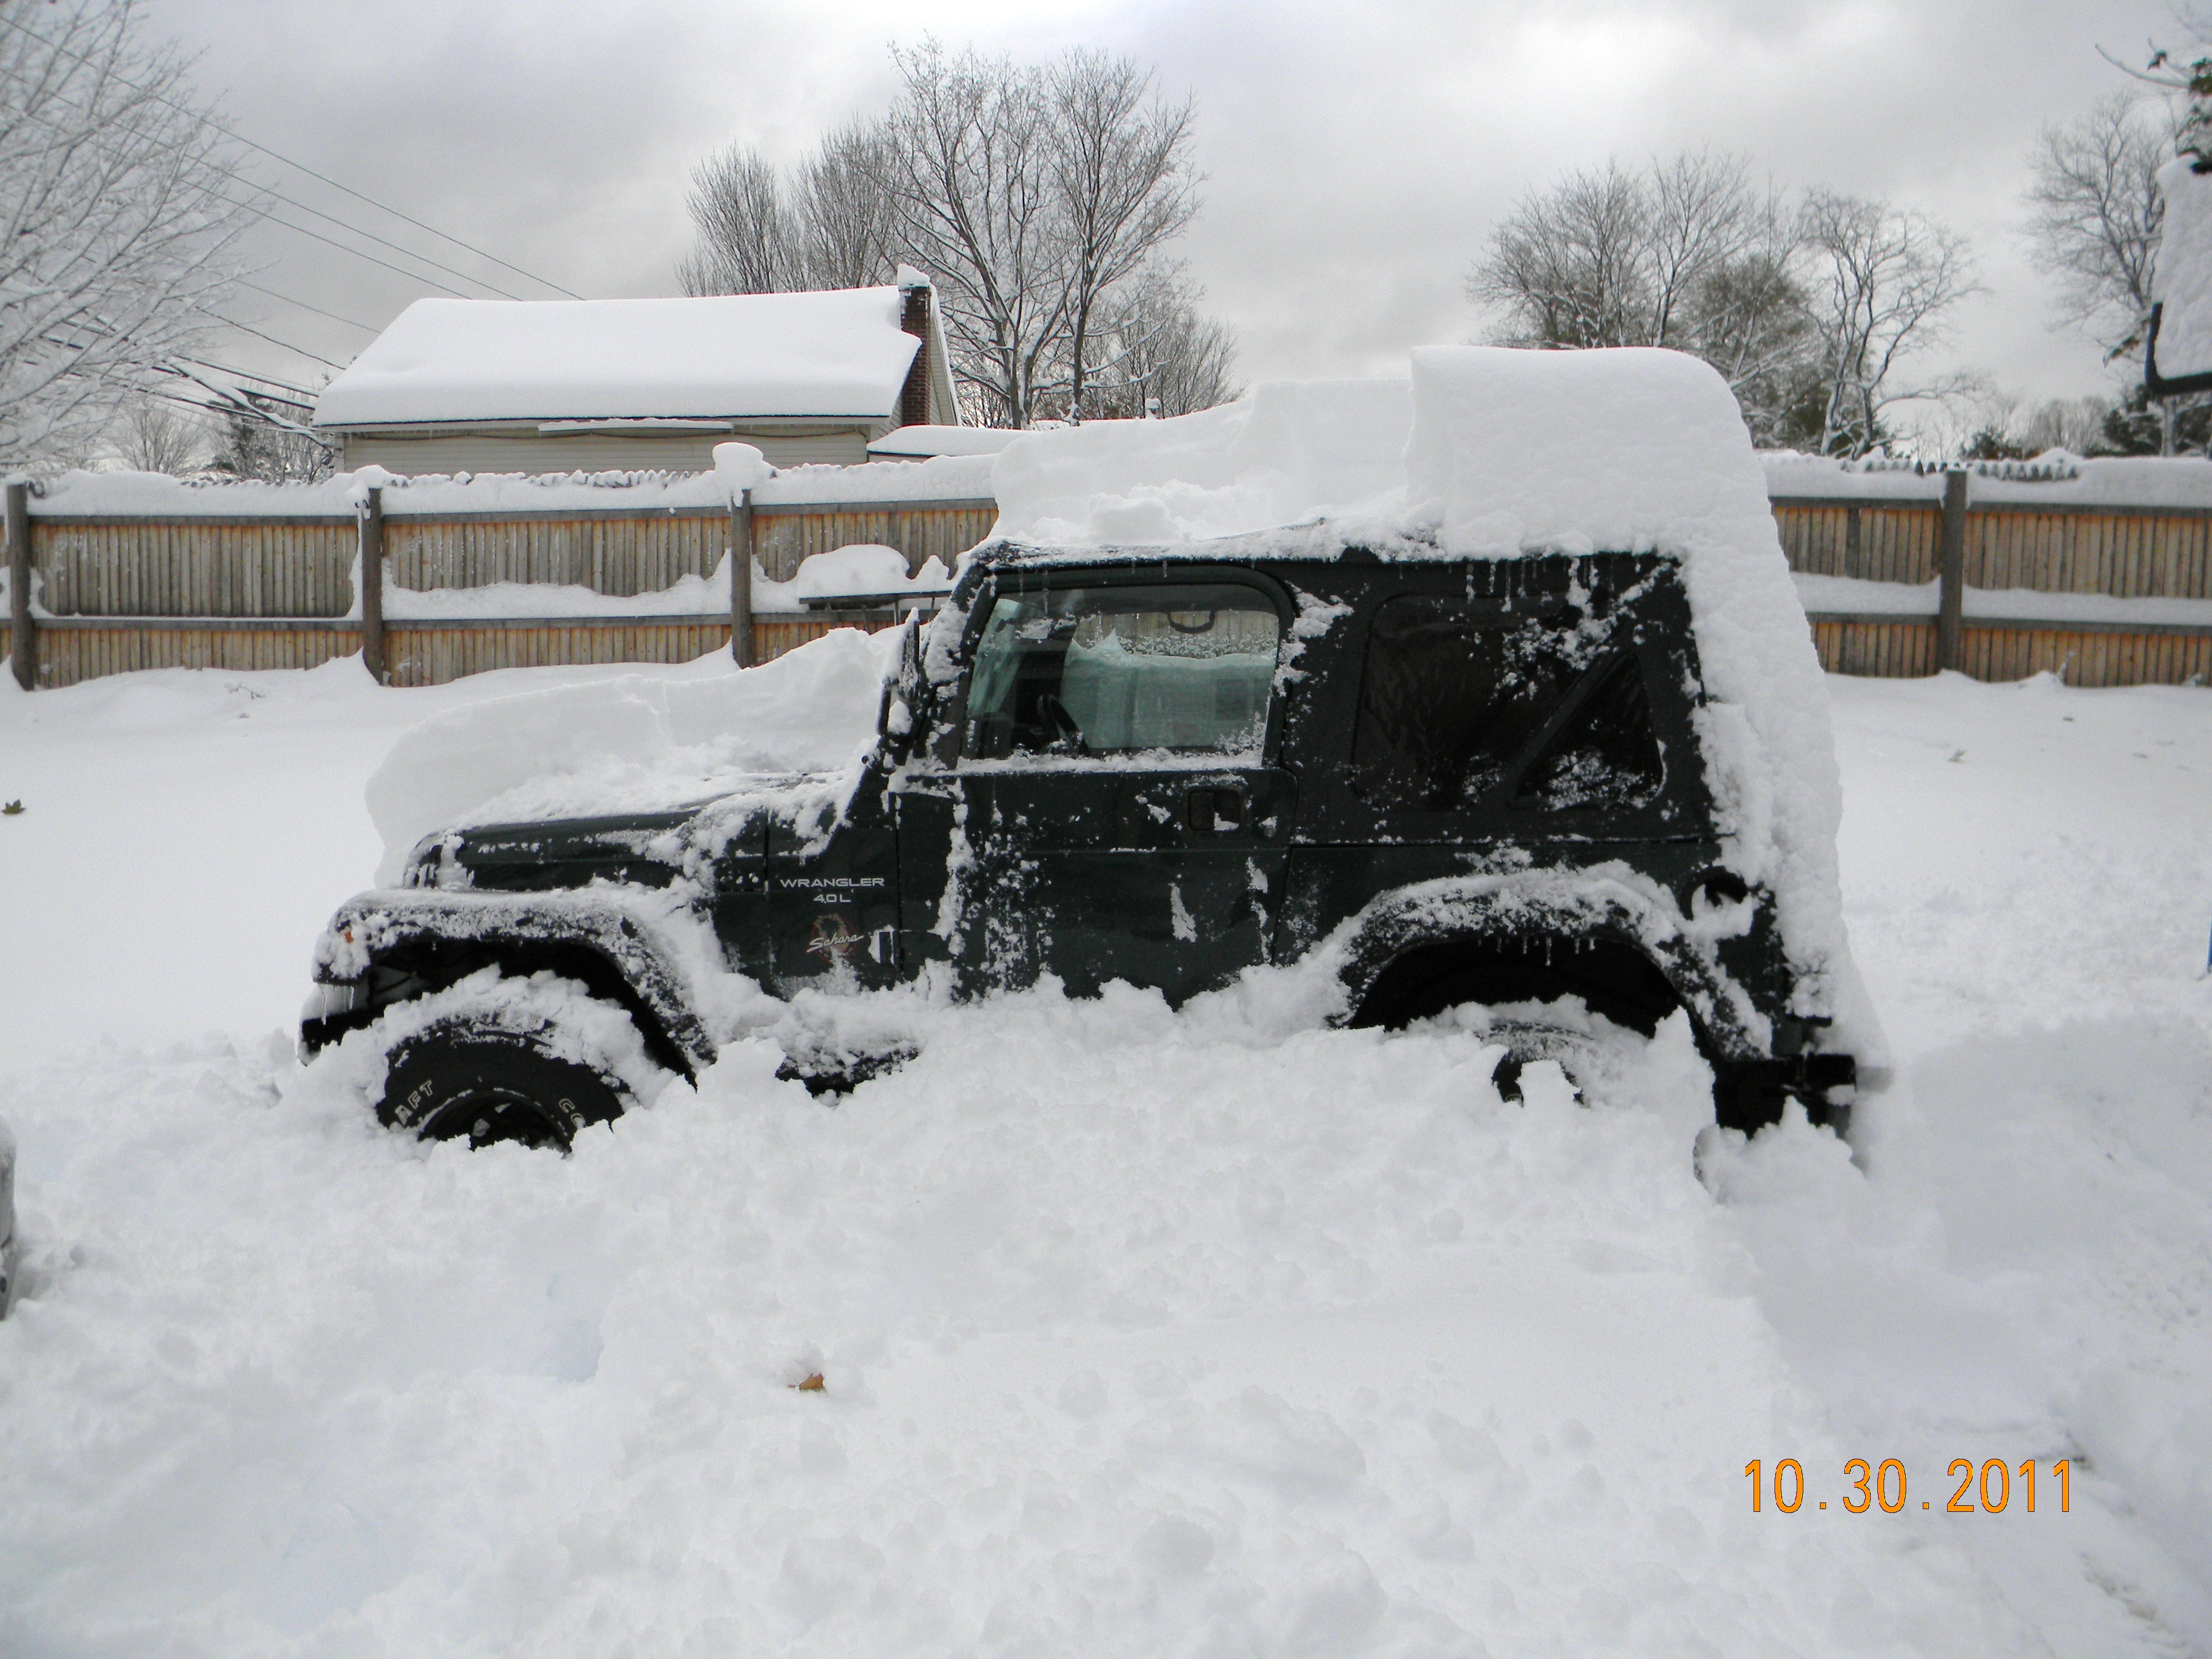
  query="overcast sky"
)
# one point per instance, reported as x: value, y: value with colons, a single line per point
x: 1355, y: 157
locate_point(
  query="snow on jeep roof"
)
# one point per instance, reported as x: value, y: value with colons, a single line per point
x: 1495, y: 453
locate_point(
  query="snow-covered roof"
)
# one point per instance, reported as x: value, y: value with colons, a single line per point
x: 918, y: 442
x: 840, y: 353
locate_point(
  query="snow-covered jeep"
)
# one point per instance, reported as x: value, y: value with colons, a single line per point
x: 1432, y: 774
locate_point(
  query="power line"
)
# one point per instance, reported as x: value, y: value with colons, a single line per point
x: 302, y: 167
x: 248, y: 328
x: 277, y: 194
x: 304, y: 306
x: 412, y: 276
x: 307, y: 398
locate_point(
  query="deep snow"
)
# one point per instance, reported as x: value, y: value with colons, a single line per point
x: 1140, y: 1332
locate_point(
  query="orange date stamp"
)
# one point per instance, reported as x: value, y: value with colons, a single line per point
x: 1995, y: 1483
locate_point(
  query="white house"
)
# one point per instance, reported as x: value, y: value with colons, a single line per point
x: 544, y: 386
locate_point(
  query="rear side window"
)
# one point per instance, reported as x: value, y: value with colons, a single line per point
x: 1460, y: 704
x: 1117, y: 670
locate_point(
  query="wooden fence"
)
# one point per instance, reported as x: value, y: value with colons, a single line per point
x: 128, y: 592
x: 2011, y: 552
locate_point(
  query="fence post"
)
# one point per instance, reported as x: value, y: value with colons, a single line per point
x: 1951, y: 570
x: 741, y: 580
x: 372, y: 585
x: 23, y: 640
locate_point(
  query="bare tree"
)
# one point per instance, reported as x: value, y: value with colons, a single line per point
x: 157, y: 436
x: 971, y: 182
x: 2096, y: 225
x: 1122, y: 170
x: 2097, y: 214
x: 745, y: 239
x: 1036, y: 198
x: 2068, y: 423
x: 1162, y: 355
x: 1688, y: 254
x: 830, y: 226
x: 844, y: 221
x: 1887, y: 279
x: 263, y: 439
x: 117, y: 219
x: 1568, y: 267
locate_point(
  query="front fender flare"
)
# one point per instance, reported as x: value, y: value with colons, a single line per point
x: 628, y: 931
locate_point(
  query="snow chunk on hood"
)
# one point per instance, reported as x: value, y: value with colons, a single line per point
x: 633, y: 743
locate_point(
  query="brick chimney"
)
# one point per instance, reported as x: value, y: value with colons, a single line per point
x: 916, y: 299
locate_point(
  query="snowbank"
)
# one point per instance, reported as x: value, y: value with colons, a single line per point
x: 1142, y: 1331
x: 729, y: 356
x: 946, y: 478
x: 649, y: 742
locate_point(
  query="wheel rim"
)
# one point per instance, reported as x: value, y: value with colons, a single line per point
x: 484, y: 1115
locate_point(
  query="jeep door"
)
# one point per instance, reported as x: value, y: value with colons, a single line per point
x: 1117, y: 814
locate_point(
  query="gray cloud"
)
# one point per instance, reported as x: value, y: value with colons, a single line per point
x: 1355, y: 156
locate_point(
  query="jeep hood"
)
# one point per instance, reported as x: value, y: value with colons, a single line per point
x: 773, y: 815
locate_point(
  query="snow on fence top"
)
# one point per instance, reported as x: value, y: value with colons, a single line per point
x: 841, y: 353
x: 155, y: 495
x: 2054, y: 478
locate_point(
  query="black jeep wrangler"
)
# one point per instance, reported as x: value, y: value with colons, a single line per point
x: 1436, y: 780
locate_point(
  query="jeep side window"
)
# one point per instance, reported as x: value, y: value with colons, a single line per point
x: 1451, y: 696
x: 1120, y: 670
x: 1606, y: 755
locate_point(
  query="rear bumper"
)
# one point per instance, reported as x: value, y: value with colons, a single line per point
x: 1751, y: 1094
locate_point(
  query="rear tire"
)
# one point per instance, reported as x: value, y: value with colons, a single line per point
x: 468, y: 1077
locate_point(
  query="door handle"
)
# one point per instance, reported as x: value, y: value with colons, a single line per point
x: 1214, y: 808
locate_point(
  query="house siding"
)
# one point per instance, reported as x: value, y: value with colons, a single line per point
x: 592, y: 452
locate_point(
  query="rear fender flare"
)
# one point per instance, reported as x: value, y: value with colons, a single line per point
x: 1618, y: 908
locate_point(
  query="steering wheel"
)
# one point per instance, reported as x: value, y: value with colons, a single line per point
x: 1054, y: 713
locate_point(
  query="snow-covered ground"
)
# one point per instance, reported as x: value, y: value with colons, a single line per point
x: 1141, y: 1333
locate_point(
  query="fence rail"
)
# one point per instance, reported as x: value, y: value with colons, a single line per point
x: 2024, y: 550
x: 117, y: 592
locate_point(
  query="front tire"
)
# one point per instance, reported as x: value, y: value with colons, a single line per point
x: 474, y: 1077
